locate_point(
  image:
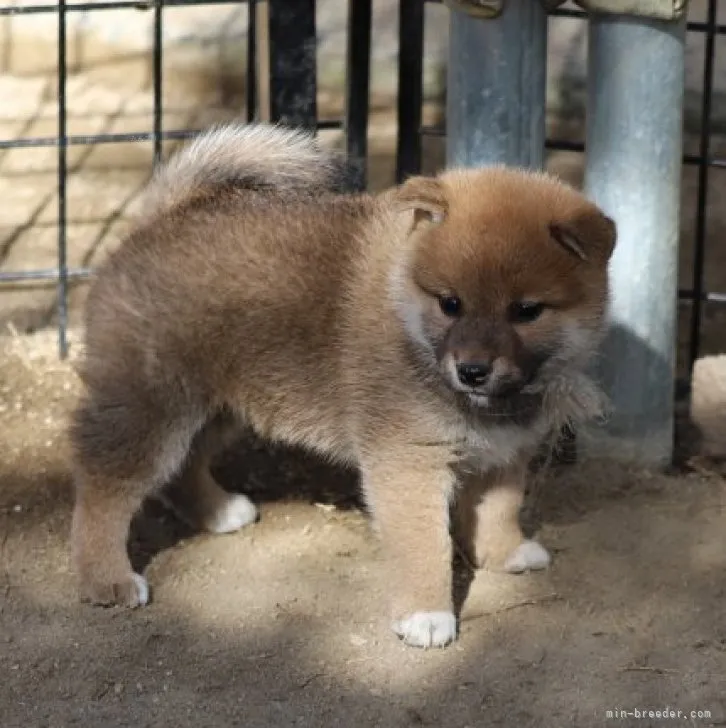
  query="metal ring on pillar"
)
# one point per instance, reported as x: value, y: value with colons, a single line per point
x: 477, y: 8
x: 493, y: 8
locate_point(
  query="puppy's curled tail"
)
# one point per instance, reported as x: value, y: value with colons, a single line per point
x: 256, y: 156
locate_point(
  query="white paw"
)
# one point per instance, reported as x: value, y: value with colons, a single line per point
x: 142, y: 588
x: 427, y: 629
x: 528, y: 556
x: 237, y: 511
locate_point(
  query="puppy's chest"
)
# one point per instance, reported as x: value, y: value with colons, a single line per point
x: 487, y: 447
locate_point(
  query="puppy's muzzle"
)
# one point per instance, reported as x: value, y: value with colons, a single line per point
x: 497, y: 378
x: 473, y: 374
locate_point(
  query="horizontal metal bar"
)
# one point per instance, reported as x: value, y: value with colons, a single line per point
x: 51, y: 275
x: 130, y: 137
x: 115, y: 5
x: 699, y: 27
x: 48, y: 275
x: 433, y: 131
x: 709, y: 297
x: 695, y: 26
x: 567, y: 13
x: 94, y: 139
x: 563, y: 145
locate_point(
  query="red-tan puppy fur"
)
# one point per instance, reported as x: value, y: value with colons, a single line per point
x: 431, y: 337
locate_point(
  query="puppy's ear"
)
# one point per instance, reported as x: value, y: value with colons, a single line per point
x: 426, y: 196
x: 590, y: 235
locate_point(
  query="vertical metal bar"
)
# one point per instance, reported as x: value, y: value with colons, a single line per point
x: 410, y: 87
x: 703, y: 172
x: 293, y: 78
x: 495, y: 109
x: 158, y: 79
x: 633, y: 171
x: 262, y: 61
x: 62, y: 175
x: 357, y: 89
x: 251, y: 84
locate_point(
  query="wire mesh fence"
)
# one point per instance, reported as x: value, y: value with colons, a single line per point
x: 290, y: 89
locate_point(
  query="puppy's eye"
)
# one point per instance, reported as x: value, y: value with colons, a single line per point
x: 524, y: 312
x: 450, y: 305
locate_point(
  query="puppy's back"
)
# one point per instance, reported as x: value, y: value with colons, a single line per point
x: 239, y: 211
x: 243, y: 249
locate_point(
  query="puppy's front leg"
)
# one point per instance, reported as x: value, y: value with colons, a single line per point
x: 487, y: 510
x: 409, y: 500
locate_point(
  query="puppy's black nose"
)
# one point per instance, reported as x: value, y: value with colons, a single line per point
x: 473, y: 374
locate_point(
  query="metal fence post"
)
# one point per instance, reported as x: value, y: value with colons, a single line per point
x: 410, y: 87
x: 495, y: 107
x: 289, y: 43
x: 357, y: 87
x: 633, y: 171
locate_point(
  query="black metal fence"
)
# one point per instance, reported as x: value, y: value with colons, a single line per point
x: 290, y: 37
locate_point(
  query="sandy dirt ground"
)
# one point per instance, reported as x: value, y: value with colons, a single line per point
x: 283, y: 623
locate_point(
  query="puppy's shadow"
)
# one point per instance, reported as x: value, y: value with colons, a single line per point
x: 270, y: 473
x: 266, y: 473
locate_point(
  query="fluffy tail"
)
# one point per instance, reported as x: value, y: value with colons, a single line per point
x: 256, y: 156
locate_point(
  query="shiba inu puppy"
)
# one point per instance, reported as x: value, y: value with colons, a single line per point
x: 431, y: 337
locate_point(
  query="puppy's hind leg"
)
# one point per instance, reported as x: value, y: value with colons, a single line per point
x: 124, y: 447
x: 198, y: 498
